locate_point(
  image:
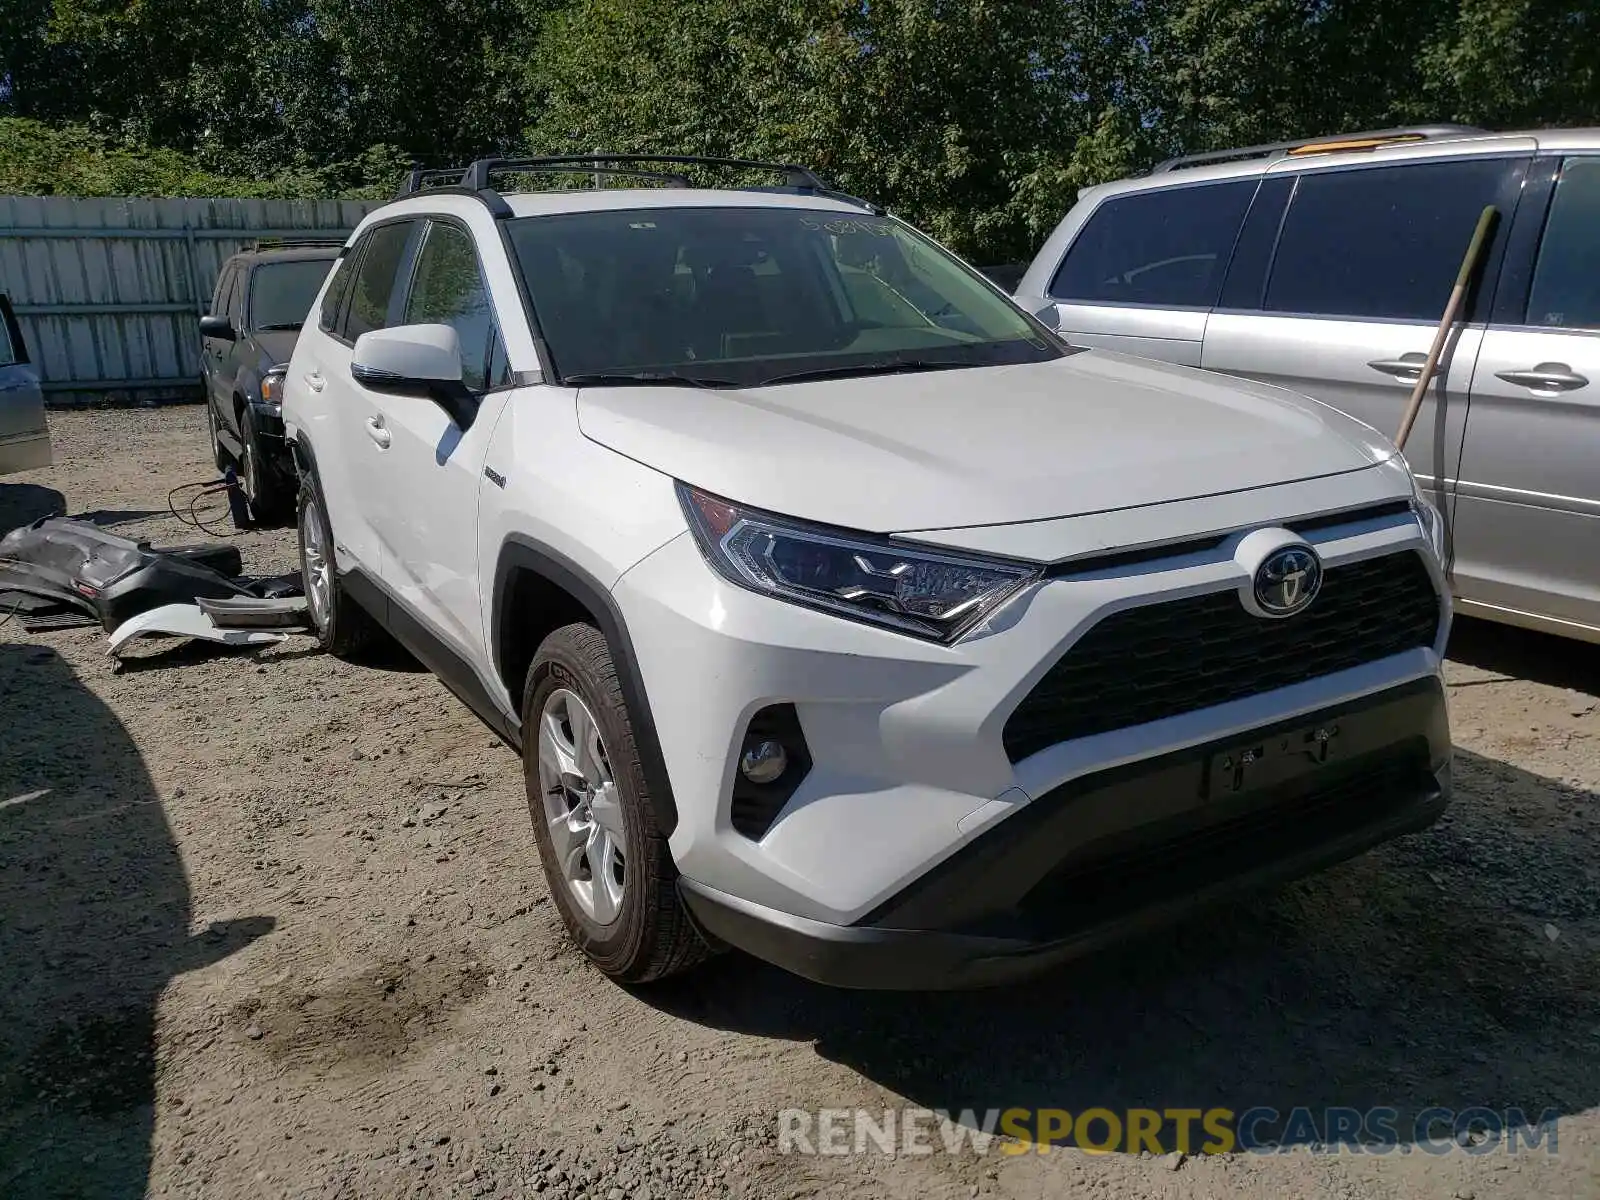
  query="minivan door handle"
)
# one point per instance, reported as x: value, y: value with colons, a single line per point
x: 1406, y: 365
x: 314, y: 380
x: 1546, y: 377
x: 378, y: 432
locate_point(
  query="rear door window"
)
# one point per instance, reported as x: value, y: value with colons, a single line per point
x: 1168, y: 247
x: 1566, y: 277
x: 374, y: 281
x: 1384, y: 242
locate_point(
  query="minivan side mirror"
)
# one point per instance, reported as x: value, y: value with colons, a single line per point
x: 415, y: 360
x: 214, y: 326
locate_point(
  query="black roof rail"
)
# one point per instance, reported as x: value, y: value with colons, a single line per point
x: 477, y: 175
x: 289, y: 242
x: 1366, y: 140
x: 473, y: 180
x: 419, y: 177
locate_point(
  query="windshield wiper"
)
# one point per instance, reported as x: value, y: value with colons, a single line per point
x: 280, y: 325
x: 646, y: 378
x: 897, y: 367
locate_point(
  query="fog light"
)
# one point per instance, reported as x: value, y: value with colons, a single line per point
x: 764, y: 762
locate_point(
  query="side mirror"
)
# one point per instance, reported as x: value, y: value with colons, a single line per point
x: 414, y: 360
x: 217, y: 327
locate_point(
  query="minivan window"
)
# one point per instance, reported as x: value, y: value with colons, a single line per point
x: 281, y: 293
x: 8, y: 352
x: 374, y: 280
x: 1381, y: 242
x: 1168, y: 247
x: 1566, y: 278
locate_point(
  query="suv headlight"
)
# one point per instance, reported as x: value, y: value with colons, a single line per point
x: 272, y: 388
x: 924, y: 593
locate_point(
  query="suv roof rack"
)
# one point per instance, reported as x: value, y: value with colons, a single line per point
x: 1367, y: 140
x: 290, y: 242
x: 420, y: 179
x: 474, y: 178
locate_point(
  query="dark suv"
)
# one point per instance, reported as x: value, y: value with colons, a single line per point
x: 262, y: 298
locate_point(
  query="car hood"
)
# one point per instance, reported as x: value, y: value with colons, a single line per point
x: 276, y: 345
x: 1091, y: 432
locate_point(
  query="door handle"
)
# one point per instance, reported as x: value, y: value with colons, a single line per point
x: 1546, y: 377
x: 314, y: 380
x: 1407, y: 365
x: 378, y: 432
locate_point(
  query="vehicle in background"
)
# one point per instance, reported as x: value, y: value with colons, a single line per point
x: 261, y: 301
x: 1325, y: 265
x: 840, y: 610
x: 24, y: 430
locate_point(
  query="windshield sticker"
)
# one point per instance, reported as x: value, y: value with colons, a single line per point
x: 846, y: 225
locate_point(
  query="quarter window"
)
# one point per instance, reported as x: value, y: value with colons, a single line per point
x: 1383, y: 242
x: 1566, y: 278
x: 344, y: 270
x: 448, y: 289
x: 1168, y: 247
x: 219, y: 302
x: 375, y: 279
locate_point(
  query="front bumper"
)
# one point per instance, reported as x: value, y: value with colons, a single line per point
x: 270, y: 441
x: 1123, y: 851
x: 907, y: 755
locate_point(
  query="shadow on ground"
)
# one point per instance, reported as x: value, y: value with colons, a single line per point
x: 24, y: 503
x: 1418, y: 975
x: 1524, y: 654
x: 94, y: 922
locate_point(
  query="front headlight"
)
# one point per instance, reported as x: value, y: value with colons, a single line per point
x: 924, y: 593
x: 272, y: 387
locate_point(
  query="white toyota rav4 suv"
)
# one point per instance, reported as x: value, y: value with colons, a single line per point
x: 840, y: 611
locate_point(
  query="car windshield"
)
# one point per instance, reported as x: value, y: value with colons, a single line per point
x: 281, y: 293
x: 728, y: 296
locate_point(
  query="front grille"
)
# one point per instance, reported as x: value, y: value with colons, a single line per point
x: 1160, y: 660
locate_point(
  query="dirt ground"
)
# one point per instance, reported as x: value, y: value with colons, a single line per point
x: 273, y: 925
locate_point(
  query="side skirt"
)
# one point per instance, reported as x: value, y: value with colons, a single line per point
x: 452, y: 670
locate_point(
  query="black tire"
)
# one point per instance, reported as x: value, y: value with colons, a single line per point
x: 652, y: 937
x: 269, y: 499
x: 219, y: 457
x: 345, y: 628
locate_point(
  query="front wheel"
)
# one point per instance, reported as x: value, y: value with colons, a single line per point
x: 342, y: 626
x: 606, y: 863
x: 219, y: 456
x: 262, y: 487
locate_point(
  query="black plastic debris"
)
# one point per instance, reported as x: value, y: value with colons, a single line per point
x: 59, y: 566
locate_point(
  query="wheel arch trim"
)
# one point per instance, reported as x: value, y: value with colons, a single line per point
x: 520, y: 553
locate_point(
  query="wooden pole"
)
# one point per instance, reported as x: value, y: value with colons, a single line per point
x: 1469, y: 264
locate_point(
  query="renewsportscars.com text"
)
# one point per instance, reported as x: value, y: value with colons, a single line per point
x: 1259, y: 1130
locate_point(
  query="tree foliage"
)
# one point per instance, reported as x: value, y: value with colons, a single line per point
x: 979, y: 119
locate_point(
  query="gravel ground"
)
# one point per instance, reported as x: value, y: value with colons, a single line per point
x: 273, y: 925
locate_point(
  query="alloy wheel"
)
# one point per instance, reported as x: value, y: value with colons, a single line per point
x: 581, y: 806
x: 316, y: 562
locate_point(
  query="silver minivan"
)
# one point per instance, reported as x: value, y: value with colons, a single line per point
x: 1325, y: 267
x: 24, y: 431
